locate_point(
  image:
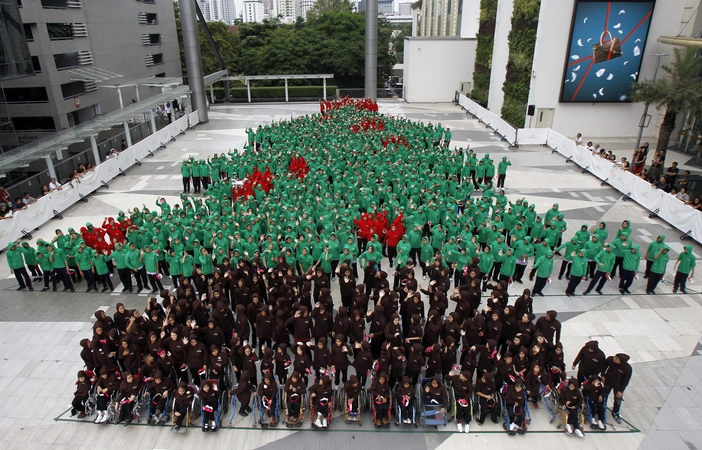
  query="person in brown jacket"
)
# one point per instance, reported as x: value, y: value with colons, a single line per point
x: 294, y: 396
x: 159, y: 390
x: 352, y: 389
x: 81, y: 395
x: 196, y: 359
x: 128, y: 391
x: 209, y: 397
x: 243, y: 392
x: 463, y: 392
x: 572, y: 400
x: 321, y: 398
x: 515, y: 400
x: 183, y: 400
x: 381, y: 400
x: 340, y: 358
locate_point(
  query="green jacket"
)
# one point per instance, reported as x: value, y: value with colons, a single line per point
x: 14, y: 256
x: 579, y: 266
x: 605, y: 261
x: 686, y: 261
x: 660, y: 262
x: 544, y: 265
x: 100, y: 263
x: 632, y: 259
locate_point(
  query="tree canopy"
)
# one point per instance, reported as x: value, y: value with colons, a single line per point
x: 332, y: 40
x: 679, y: 92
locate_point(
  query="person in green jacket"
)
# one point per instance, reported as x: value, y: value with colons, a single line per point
x: 60, y: 267
x: 632, y: 260
x: 84, y: 260
x: 605, y: 262
x: 134, y: 260
x: 684, y: 268
x: 571, y: 249
x: 544, y: 267
x: 502, y: 172
x: 15, y: 262
x: 578, y: 272
x: 46, y: 266
x: 119, y: 254
x: 660, y: 262
x: 652, y: 251
x: 30, y: 258
x: 508, y: 267
x: 485, y: 265
x: 592, y: 248
x: 186, y: 173
x: 151, y: 265
x: 175, y: 267
x: 100, y: 264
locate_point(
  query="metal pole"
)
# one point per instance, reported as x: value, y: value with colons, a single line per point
x: 372, y: 49
x: 286, y: 90
x: 96, y: 153
x: 127, y: 135
x: 119, y: 94
x: 193, y: 57
x: 642, y: 123
x: 248, y: 90
x: 136, y: 88
x: 212, y: 92
x: 50, y: 166
x: 324, y: 88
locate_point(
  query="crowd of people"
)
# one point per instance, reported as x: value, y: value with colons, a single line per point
x: 327, y: 198
x: 667, y: 179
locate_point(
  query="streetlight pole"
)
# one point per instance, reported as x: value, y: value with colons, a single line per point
x: 642, y: 122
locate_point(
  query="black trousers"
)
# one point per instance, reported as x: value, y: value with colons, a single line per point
x: 186, y: 184
x: 196, y: 184
x: 125, y: 276
x: 539, y: 285
x: 626, y: 278
x: 22, y: 277
x: 484, y: 411
x: 618, y: 261
x: 501, y: 180
x: 519, y: 272
x: 573, y: 284
x: 599, y: 279
x: 653, y: 280
x: 61, y: 274
x: 140, y: 276
x: 90, y: 279
x: 680, y: 281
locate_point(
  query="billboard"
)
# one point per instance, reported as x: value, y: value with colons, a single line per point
x: 607, y: 44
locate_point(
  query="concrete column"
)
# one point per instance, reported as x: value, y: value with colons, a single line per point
x: 119, y: 94
x: 96, y: 153
x: 50, y: 166
x: 128, y: 136
x: 372, y: 49
x: 193, y: 57
x: 152, y: 119
x: 286, y: 89
x: 324, y: 88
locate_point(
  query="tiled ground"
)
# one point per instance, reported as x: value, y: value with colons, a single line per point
x: 39, y: 332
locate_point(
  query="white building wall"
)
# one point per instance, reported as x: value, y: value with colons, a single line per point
x: 253, y: 11
x: 595, y: 120
x: 435, y: 66
x: 470, y: 18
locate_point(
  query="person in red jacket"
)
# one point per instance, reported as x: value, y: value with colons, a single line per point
x: 392, y: 238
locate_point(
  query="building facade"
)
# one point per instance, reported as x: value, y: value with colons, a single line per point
x: 290, y: 10
x: 253, y: 11
x: 218, y: 10
x: 135, y: 39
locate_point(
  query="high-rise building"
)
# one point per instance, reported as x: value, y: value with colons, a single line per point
x: 448, y: 18
x: 218, y: 10
x: 306, y: 6
x: 64, y: 36
x: 289, y: 9
x: 253, y: 11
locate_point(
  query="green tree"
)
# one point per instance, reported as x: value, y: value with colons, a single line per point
x: 679, y: 92
x: 330, y: 6
x: 227, y: 43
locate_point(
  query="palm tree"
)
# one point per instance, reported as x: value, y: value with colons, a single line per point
x: 679, y: 92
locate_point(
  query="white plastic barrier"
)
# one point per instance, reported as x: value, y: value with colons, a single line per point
x: 670, y: 209
x: 532, y: 136
x: 42, y: 211
x: 9, y: 231
x: 193, y: 119
x: 492, y: 120
x: 36, y: 215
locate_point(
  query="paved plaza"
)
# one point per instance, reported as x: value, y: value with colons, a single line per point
x: 40, y: 331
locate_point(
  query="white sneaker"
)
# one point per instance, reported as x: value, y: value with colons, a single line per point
x: 466, y: 428
x: 579, y: 433
x: 601, y: 425
x: 459, y: 426
x: 98, y: 417
x: 318, y: 422
x: 424, y: 277
x: 569, y: 429
x: 105, y: 417
x: 593, y: 421
x: 513, y: 426
x: 324, y: 422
